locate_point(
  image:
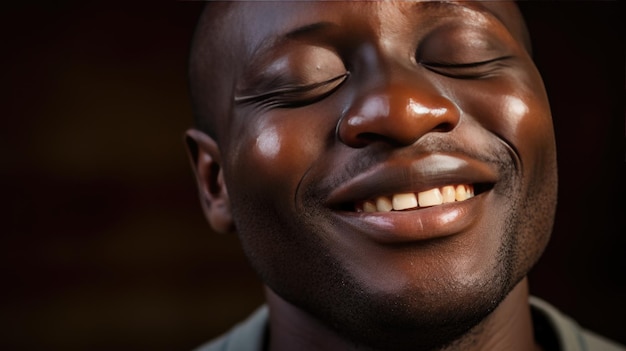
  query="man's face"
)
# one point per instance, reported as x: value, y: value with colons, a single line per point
x: 340, y: 109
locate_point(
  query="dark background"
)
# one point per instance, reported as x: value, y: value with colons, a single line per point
x: 104, y: 246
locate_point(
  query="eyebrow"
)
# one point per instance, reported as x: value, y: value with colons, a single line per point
x: 309, y: 29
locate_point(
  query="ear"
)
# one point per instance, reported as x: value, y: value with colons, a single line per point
x: 204, y: 155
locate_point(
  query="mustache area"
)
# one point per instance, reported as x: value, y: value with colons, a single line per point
x: 499, y: 155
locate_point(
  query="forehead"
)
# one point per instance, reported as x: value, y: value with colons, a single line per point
x: 258, y: 24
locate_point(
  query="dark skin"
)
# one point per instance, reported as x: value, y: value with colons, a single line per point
x: 310, y: 112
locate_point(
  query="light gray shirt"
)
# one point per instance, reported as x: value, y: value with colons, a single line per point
x: 251, y: 334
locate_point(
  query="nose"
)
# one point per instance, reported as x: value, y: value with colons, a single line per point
x: 399, y: 114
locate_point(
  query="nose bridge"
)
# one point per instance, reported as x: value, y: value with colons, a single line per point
x: 399, y: 109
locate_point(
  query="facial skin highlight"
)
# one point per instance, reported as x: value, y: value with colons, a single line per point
x: 309, y: 110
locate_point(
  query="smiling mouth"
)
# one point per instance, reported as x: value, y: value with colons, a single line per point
x: 413, y: 201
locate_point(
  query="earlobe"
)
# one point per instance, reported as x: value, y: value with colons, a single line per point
x: 204, y: 155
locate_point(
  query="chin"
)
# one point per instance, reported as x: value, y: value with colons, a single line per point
x: 442, y: 316
x: 421, y: 314
x: 415, y: 317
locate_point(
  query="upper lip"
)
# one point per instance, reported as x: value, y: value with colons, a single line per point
x: 415, y: 175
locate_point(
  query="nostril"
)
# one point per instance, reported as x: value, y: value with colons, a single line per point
x: 369, y: 138
x: 444, y: 127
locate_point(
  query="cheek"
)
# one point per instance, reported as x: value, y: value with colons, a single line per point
x: 528, y: 119
x: 515, y: 108
x: 526, y: 124
x: 274, y: 155
x: 268, y: 144
x: 518, y: 113
x: 529, y: 129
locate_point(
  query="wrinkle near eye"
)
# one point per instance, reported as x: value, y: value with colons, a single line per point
x: 294, y: 95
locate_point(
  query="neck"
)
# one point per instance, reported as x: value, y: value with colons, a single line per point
x: 508, y: 327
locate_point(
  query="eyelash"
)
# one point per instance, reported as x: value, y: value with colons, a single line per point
x: 471, y: 70
x: 293, y: 96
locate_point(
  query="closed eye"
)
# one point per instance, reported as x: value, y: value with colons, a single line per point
x: 471, y: 70
x: 295, y: 95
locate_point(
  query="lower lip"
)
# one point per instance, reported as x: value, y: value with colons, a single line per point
x: 415, y: 225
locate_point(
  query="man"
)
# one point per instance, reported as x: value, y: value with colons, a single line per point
x: 389, y: 168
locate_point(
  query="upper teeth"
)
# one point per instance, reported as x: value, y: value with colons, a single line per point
x: 405, y: 201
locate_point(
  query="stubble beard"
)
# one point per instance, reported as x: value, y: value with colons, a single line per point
x: 445, y: 319
x: 448, y: 318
